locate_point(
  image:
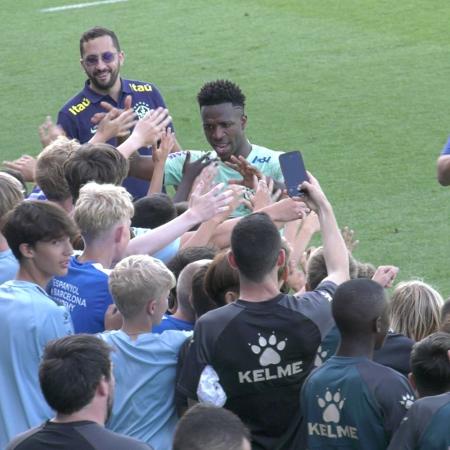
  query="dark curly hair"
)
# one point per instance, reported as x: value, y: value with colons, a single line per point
x: 220, y: 91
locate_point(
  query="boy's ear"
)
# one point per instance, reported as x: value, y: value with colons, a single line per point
x: 231, y: 260
x: 118, y: 232
x: 26, y: 250
x: 151, y: 307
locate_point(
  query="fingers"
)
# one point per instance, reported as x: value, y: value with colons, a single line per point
x: 107, y: 106
x: 127, y: 102
x: 97, y: 118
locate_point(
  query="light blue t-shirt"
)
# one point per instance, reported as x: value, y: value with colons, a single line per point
x: 85, y: 293
x: 9, y: 266
x: 29, y: 318
x: 144, y: 370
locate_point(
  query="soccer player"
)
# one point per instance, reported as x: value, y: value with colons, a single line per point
x: 77, y: 382
x: 39, y: 235
x: 426, y: 425
x: 351, y: 401
x: 144, y: 362
x: 262, y: 346
x: 222, y: 110
x: 102, y: 59
x: 206, y: 427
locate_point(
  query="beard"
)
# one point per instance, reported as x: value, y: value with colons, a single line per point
x: 104, y: 85
x: 109, y: 406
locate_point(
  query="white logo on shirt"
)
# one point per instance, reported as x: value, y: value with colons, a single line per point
x: 141, y: 109
x: 320, y: 356
x: 407, y: 401
x: 269, y: 355
x: 269, y: 350
x: 331, y: 405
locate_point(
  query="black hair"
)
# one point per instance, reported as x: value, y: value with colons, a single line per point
x: 430, y: 364
x: 71, y: 369
x: 209, y: 427
x: 256, y: 244
x: 33, y: 221
x: 95, y: 33
x: 153, y: 211
x: 221, y: 91
x: 356, y: 305
x: 182, y: 259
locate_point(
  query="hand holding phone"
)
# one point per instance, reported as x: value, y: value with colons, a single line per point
x: 294, y: 172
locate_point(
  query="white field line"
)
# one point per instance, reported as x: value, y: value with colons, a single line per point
x: 79, y: 5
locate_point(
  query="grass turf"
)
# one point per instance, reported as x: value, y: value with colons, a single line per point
x: 360, y: 87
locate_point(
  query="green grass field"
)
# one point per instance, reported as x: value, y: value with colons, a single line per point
x: 360, y: 86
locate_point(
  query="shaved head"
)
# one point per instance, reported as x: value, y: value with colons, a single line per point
x: 184, y: 284
x: 360, y: 308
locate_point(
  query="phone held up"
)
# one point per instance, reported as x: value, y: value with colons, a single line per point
x: 294, y: 172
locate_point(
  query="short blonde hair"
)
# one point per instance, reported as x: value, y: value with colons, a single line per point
x: 100, y: 207
x: 11, y: 193
x: 136, y: 280
x: 415, y: 309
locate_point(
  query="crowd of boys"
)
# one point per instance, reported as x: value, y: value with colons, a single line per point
x: 133, y: 320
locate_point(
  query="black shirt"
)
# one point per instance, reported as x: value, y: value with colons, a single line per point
x: 262, y: 352
x: 83, y: 435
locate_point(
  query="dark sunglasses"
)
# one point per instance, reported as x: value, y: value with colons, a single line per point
x: 92, y: 60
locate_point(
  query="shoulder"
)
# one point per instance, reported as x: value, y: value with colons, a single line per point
x: 76, y: 100
x: 25, y: 440
x: 101, y: 438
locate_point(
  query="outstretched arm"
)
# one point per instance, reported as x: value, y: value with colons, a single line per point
x: 203, y: 208
x: 335, y: 251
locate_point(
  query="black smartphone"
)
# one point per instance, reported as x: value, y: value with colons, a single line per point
x: 294, y: 172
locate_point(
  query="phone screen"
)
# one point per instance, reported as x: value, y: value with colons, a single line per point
x: 294, y: 172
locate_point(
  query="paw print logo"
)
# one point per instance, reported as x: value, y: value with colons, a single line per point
x: 407, y: 401
x: 320, y: 356
x: 268, y: 349
x: 141, y: 109
x: 331, y: 405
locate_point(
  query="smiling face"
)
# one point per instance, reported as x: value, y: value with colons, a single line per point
x: 101, y: 61
x: 224, y: 127
x: 49, y: 258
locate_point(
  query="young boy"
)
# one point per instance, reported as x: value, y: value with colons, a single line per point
x: 38, y: 234
x: 144, y: 362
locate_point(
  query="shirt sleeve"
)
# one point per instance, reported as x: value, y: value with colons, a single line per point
x: 446, y: 149
x: 57, y: 323
x: 68, y: 125
x: 196, y: 360
x: 406, y: 437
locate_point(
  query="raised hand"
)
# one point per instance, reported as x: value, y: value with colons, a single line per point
x: 385, y: 275
x: 26, y: 165
x: 313, y: 194
x: 161, y: 152
x: 206, y: 206
x: 48, y: 132
x: 116, y: 123
x: 349, y: 238
x: 247, y: 171
x: 149, y: 129
x: 192, y: 170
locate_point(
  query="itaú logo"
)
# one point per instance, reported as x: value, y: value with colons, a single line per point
x: 269, y: 350
x: 80, y: 107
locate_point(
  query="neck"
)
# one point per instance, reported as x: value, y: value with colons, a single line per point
x: 113, y: 92
x: 245, y: 149
x: 259, y: 291
x: 184, y: 315
x: 141, y: 324
x: 100, y: 252
x: 3, y: 243
x: 356, y: 346
x: 29, y: 272
x: 66, y: 205
x: 88, y: 413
